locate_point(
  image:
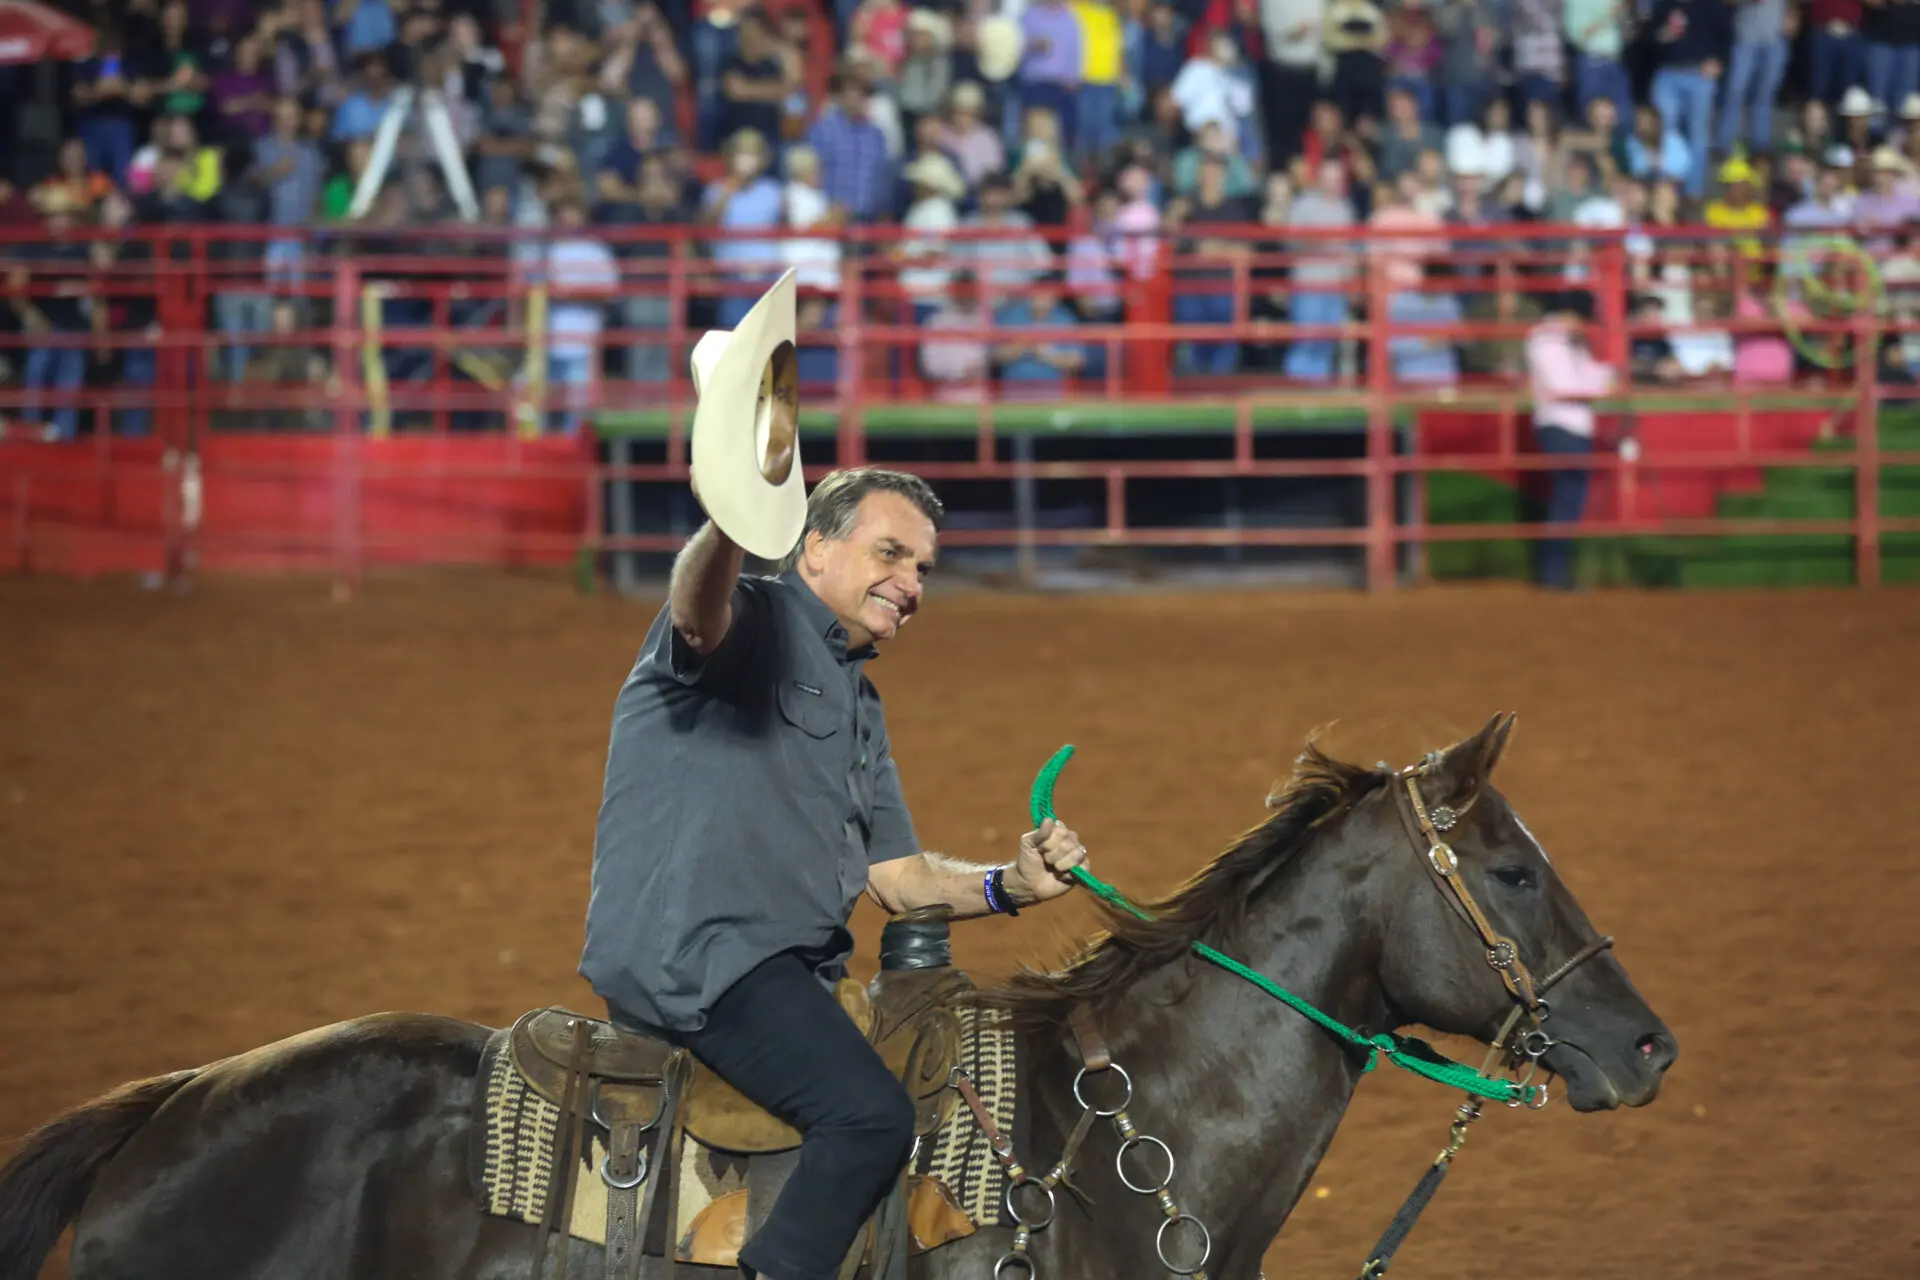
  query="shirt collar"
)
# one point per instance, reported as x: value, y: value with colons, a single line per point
x: 825, y: 620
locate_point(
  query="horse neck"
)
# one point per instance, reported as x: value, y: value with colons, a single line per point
x: 1245, y: 1091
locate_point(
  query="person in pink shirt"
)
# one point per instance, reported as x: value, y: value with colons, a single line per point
x: 1566, y: 379
x: 1762, y: 359
x: 1403, y: 258
x: 1137, y: 222
x: 880, y: 27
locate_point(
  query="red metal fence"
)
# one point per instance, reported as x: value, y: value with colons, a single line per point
x: 247, y: 398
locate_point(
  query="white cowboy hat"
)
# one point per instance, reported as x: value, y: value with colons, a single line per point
x: 747, y: 381
x: 1886, y: 159
x: 935, y: 172
x: 1856, y: 102
x: 998, y: 44
x: 935, y: 25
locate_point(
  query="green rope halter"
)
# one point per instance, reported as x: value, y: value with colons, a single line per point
x: 1409, y: 1052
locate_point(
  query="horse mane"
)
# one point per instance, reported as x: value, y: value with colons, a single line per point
x: 1211, y: 907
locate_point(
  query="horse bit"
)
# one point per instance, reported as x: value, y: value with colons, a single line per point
x: 1516, y: 1053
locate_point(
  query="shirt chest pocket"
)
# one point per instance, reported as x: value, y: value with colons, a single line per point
x: 815, y: 708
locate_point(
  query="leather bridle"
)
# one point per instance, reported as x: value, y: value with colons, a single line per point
x: 1427, y: 827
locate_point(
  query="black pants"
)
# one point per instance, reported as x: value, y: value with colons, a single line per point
x: 780, y: 1038
x: 1287, y: 95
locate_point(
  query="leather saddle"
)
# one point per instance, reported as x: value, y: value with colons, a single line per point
x: 626, y: 1073
x: 648, y: 1096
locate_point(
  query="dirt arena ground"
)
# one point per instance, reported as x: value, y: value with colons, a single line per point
x: 230, y: 816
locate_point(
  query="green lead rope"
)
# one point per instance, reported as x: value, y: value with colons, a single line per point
x: 1403, y: 1051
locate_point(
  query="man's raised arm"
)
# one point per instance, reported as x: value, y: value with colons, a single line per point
x: 700, y: 595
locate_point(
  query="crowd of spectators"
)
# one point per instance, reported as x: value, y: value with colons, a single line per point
x: 1088, y: 135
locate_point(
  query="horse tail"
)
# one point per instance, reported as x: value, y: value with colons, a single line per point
x: 44, y: 1185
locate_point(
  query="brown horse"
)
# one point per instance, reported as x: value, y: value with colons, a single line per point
x: 344, y: 1152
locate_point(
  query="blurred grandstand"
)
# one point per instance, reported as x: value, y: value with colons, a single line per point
x: 1200, y: 275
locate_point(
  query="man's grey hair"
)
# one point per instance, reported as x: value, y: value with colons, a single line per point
x: 834, y: 504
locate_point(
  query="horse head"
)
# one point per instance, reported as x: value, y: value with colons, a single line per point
x: 1597, y: 1032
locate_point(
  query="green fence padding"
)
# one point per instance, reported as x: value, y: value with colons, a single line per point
x: 1090, y: 416
x: 1460, y: 497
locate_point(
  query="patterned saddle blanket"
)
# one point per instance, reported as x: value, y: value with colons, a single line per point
x: 726, y: 1158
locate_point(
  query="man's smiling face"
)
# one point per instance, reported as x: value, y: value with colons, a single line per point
x: 873, y: 578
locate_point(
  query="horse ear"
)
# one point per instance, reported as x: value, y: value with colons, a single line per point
x: 1462, y: 769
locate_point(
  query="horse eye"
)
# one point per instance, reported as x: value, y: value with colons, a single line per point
x: 1517, y: 877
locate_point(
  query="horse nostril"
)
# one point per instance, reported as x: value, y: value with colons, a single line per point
x: 1658, y: 1049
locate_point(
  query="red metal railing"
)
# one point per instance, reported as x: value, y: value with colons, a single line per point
x: 172, y: 495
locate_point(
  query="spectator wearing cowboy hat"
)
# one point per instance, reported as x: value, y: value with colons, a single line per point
x: 1857, y: 110
x: 1891, y: 202
x: 934, y: 215
x: 926, y: 75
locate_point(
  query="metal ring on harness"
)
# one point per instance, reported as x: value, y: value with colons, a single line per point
x: 1120, y: 1164
x: 1088, y: 1106
x: 608, y: 1125
x: 1536, y: 1043
x: 1013, y: 1212
x: 1020, y: 1260
x: 639, y: 1175
x: 1160, y: 1244
x: 1537, y: 1101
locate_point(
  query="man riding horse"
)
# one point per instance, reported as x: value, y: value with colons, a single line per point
x: 751, y: 795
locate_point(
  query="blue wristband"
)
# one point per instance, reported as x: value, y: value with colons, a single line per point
x: 997, y: 895
x: 986, y: 888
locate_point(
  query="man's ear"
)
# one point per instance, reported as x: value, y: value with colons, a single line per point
x: 810, y: 544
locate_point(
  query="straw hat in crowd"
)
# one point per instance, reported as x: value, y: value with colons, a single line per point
x: 937, y: 174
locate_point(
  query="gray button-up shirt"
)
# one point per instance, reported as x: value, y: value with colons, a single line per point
x: 746, y: 795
